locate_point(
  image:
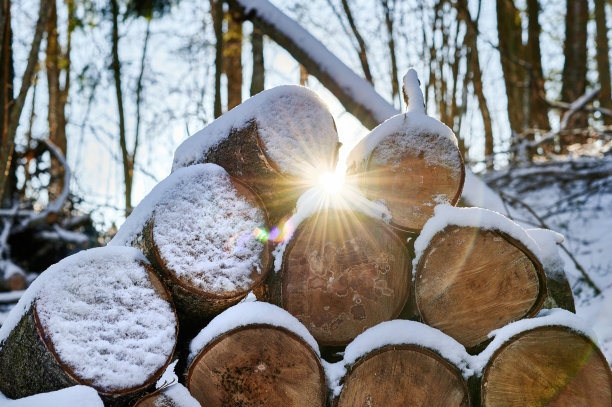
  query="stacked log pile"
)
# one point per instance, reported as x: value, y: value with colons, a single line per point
x: 332, y: 270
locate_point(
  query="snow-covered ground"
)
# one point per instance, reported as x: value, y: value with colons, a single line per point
x: 574, y: 198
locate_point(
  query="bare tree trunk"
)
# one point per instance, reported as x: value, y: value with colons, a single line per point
x: 511, y: 51
x: 56, y: 113
x: 216, y: 8
x: 391, y: 44
x: 603, y: 58
x: 7, y: 75
x: 232, y: 59
x: 258, y: 77
x: 575, y: 66
x: 15, y: 108
x: 538, y: 108
x: 143, y: 60
x: 362, y: 52
x: 128, y: 161
x: 473, y: 61
x: 303, y: 76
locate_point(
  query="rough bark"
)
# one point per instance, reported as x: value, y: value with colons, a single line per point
x: 342, y: 273
x: 232, y: 59
x: 603, y: 59
x: 575, y: 66
x: 403, y: 375
x: 552, y: 366
x: 258, y: 77
x: 470, y: 281
x: 257, y: 365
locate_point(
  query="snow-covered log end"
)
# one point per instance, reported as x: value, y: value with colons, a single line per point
x: 403, y: 363
x: 256, y: 354
x: 196, y: 204
x: 100, y: 317
x: 552, y: 357
x: 411, y: 161
x: 294, y: 126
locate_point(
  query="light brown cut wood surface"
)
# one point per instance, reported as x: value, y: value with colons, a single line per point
x: 257, y: 365
x: 411, y: 186
x: 403, y: 375
x: 343, y: 273
x: 547, y: 366
x: 471, y: 281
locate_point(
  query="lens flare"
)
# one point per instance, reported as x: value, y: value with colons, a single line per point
x: 332, y: 182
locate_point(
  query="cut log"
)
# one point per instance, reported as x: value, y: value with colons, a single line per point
x: 403, y: 363
x: 256, y: 364
x: 547, y: 366
x: 99, y: 318
x: 470, y: 281
x: 12, y: 277
x: 342, y: 273
x: 278, y: 142
x: 403, y: 375
x: 175, y: 395
x: 412, y: 162
x: 197, y: 230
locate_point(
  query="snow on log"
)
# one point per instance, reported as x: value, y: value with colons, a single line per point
x: 552, y: 360
x: 175, y: 395
x: 475, y: 271
x: 100, y: 318
x: 278, y: 142
x: 76, y: 396
x: 196, y: 228
x: 403, y: 363
x: 411, y: 162
x: 255, y: 354
x: 342, y: 272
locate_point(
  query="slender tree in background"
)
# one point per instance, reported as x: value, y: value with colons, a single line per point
x: 511, y: 50
x: 232, y: 59
x: 603, y: 59
x: 538, y: 107
x: 13, y: 108
x: 361, y: 46
x: 216, y: 7
x: 388, y: 9
x: 258, y: 76
x: 575, y: 66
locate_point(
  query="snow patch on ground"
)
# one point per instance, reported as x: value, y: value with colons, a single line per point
x: 249, y: 313
x: 76, y: 396
x: 294, y: 124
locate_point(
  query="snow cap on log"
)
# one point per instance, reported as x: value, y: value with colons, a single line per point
x: 169, y: 393
x: 297, y: 131
x: 249, y: 313
x: 552, y: 317
x: 411, y: 161
x: 75, y: 396
x: 201, y: 203
x: 104, y: 316
x: 403, y: 362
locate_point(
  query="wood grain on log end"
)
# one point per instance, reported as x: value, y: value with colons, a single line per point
x: 411, y: 185
x: 547, y: 366
x: 257, y: 365
x: 343, y: 273
x: 403, y: 375
x: 470, y: 281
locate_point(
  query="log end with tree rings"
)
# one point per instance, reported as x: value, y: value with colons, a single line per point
x: 470, y: 281
x: 257, y: 365
x: 403, y: 375
x: 547, y: 366
x: 100, y: 318
x: 202, y: 240
x: 342, y: 273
